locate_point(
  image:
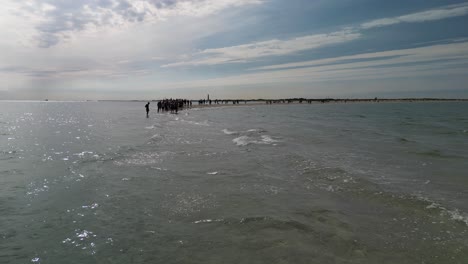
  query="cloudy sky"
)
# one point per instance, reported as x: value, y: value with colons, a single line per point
x: 150, y: 49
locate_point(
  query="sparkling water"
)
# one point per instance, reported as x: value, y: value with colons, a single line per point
x: 98, y: 182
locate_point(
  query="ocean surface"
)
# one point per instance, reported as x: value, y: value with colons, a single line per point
x: 98, y: 182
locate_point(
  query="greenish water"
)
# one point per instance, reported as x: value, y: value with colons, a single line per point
x: 88, y: 182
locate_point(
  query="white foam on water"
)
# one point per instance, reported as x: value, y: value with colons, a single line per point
x: 83, y: 240
x: 256, y: 130
x: 82, y: 154
x: 207, y: 221
x: 228, y: 132
x: 268, y: 139
x: 212, y: 173
x: 453, y: 214
x: 91, y: 206
x: 203, y: 123
x: 246, y: 140
x: 144, y: 158
x: 150, y: 127
x: 156, y: 136
x: 457, y: 216
x: 242, y: 141
x: 84, y: 234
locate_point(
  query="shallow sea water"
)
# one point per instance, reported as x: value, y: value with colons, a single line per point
x: 97, y: 182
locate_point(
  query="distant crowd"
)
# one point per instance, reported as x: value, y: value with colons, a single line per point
x: 173, y: 105
x: 284, y: 101
x: 209, y: 102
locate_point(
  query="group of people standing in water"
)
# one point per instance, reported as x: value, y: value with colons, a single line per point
x: 172, y: 105
x: 209, y: 102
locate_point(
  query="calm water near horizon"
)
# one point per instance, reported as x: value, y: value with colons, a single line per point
x: 97, y: 182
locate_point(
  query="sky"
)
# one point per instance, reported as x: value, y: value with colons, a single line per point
x: 154, y: 49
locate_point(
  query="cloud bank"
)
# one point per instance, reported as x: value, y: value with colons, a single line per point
x: 275, y: 47
x: 418, y: 17
x: 54, y: 21
x: 256, y: 50
x: 119, y: 47
x: 436, y: 60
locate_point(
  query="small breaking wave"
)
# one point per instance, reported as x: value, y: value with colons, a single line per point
x: 203, y: 123
x: 246, y: 132
x: 267, y: 139
x: 228, y: 132
x: 208, y: 221
x: 246, y: 140
x: 453, y: 214
x: 256, y: 130
x: 251, y: 136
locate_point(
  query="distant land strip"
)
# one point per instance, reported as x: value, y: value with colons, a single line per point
x: 306, y: 100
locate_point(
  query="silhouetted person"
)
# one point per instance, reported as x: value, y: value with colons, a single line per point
x: 159, y: 106
x: 147, y: 109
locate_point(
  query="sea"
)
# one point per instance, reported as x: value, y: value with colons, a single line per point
x: 98, y: 182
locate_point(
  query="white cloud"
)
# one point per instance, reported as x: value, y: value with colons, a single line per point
x: 100, y: 41
x: 453, y: 51
x: 253, y: 51
x: 437, y: 60
x: 204, y: 7
x: 54, y: 21
x: 242, y: 53
x: 429, y: 15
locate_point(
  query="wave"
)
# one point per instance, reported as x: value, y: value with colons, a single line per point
x: 246, y: 140
x: 251, y: 136
x: 453, y: 214
x: 256, y: 130
x: 435, y: 153
x: 157, y: 138
x: 228, y: 132
x: 268, y: 139
x: 247, y: 132
x: 265, y: 222
x: 203, y: 123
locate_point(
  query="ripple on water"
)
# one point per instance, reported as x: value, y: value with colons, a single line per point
x: 144, y: 158
x: 185, y: 204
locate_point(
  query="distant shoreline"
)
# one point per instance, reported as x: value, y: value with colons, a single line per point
x: 274, y: 101
x: 325, y: 101
x: 304, y: 100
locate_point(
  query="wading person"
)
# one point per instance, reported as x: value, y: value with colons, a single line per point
x: 147, y: 109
